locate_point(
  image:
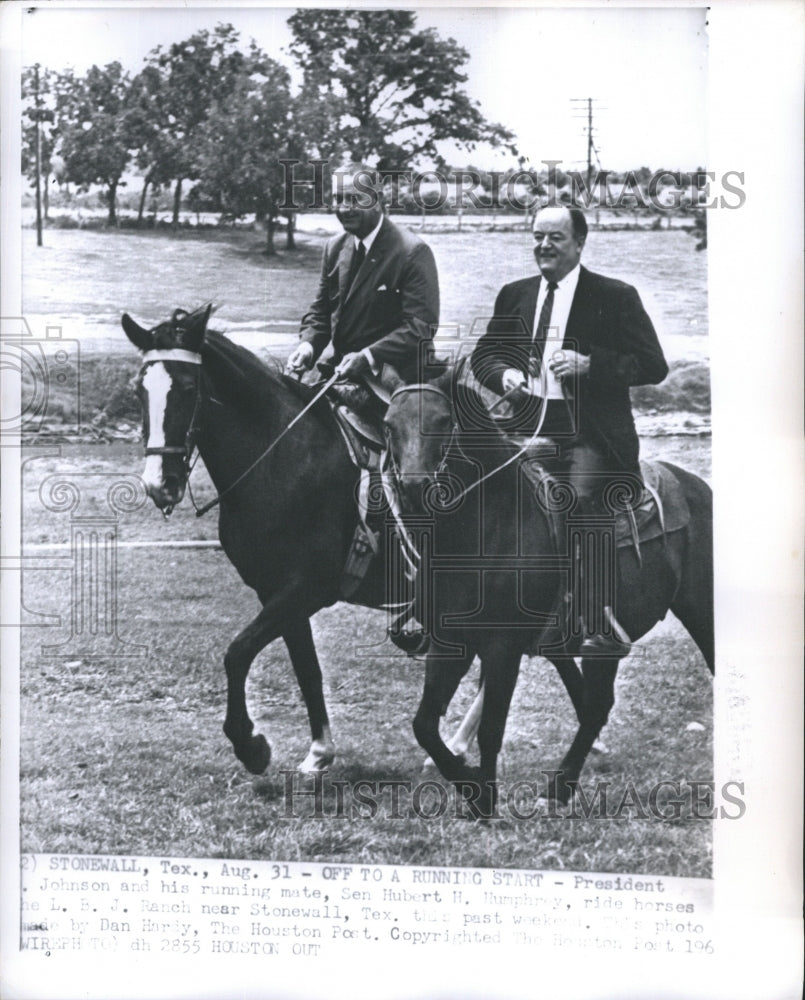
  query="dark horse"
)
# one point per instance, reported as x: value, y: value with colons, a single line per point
x: 495, y: 583
x: 286, y: 526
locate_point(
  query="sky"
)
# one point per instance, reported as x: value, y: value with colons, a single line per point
x: 645, y: 68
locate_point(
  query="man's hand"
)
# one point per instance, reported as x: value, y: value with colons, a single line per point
x: 512, y: 378
x: 354, y: 364
x: 301, y: 359
x: 564, y: 363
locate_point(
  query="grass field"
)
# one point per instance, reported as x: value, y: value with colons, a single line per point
x: 126, y: 754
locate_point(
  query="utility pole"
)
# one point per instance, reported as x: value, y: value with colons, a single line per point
x: 583, y: 108
x: 37, y: 157
x: 38, y: 114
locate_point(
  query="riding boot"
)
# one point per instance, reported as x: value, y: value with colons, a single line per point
x: 602, y: 635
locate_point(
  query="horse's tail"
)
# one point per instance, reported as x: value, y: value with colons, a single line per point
x: 693, y: 604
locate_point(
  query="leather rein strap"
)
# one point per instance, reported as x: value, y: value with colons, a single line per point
x: 392, y: 463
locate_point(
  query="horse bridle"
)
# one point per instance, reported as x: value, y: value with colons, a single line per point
x: 390, y: 462
x: 187, y: 357
x: 186, y: 449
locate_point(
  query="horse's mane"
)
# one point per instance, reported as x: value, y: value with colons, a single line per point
x: 478, y: 433
x: 245, y: 379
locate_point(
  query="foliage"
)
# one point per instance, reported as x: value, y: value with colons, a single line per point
x: 175, y: 94
x: 686, y: 389
x: 392, y: 92
x: 246, y: 136
x: 38, y: 96
x: 95, y: 140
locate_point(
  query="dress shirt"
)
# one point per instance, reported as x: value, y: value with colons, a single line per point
x: 562, y: 302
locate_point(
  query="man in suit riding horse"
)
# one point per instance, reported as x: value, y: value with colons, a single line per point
x: 566, y: 346
x: 378, y: 297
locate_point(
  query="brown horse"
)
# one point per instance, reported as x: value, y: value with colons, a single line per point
x: 495, y: 581
x: 287, y: 512
x: 286, y: 520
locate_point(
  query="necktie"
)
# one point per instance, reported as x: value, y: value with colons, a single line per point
x: 544, y: 320
x: 357, y: 259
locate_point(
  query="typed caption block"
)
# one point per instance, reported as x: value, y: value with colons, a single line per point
x: 118, y: 905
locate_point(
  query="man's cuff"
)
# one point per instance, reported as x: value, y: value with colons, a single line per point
x: 515, y: 372
x: 372, y: 363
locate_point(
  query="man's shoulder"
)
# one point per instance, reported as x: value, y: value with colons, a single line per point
x: 591, y: 282
x: 516, y: 289
x: 400, y: 238
x: 335, y: 244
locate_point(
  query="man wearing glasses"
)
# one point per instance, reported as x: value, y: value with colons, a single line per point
x: 378, y: 297
x: 565, y: 347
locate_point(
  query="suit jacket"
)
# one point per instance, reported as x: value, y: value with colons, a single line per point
x: 608, y: 323
x: 392, y: 306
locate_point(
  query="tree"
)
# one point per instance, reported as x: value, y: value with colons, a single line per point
x: 38, y: 130
x: 176, y: 93
x: 93, y: 124
x: 246, y: 136
x: 393, y: 92
x: 150, y: 136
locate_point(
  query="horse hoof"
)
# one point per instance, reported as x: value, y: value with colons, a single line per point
x: 317, y: 762
x: 257, y: 756
x: 479, y: 796
x: 550, y: 807
x: 558, y: 793
x: 599, y: 749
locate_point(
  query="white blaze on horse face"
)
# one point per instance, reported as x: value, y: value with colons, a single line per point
x: 157, y: 383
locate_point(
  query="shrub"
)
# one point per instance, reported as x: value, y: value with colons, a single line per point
x: 686, y: 389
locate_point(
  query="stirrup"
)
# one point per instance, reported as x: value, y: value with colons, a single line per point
x: 413, y: 643
x: 615, y: 643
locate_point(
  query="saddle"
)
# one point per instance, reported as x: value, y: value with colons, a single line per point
x: 365, y: 443
x: 660, y: 509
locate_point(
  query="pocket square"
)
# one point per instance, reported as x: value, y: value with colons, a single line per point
x: 381, y: 288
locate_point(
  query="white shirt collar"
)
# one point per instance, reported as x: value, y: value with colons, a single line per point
x: 369, y: 240
x: 567, y: 284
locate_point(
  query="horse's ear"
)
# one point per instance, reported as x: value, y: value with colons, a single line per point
x: 195, y: 326
x: 202, y: 314
x: 391, y: 379
x: 453, y: 376
x: 444, y: 380
x: 137, y: 335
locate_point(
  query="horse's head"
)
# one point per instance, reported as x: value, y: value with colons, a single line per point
x: 419, y: 426
x: 168, y: 386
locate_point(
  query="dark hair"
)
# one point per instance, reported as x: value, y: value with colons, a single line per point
x: 579, y: 222
x: 369, y: 176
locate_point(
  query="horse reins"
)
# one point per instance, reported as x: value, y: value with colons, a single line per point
x: 453, y: 439
x: 193, y: 357
x: 308, y: 406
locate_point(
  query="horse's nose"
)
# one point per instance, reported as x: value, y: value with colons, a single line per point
x: 414, y: 489
x: 167, y: 493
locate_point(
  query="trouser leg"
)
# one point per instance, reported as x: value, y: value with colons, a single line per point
x: 595, y: 554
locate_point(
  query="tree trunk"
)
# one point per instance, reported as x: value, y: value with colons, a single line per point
x: 270, y: 227
x: 111, y: 196
x: 290, y: 238
x: 177, y: 201
x: 46, y: 195
x: 142, y: 202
